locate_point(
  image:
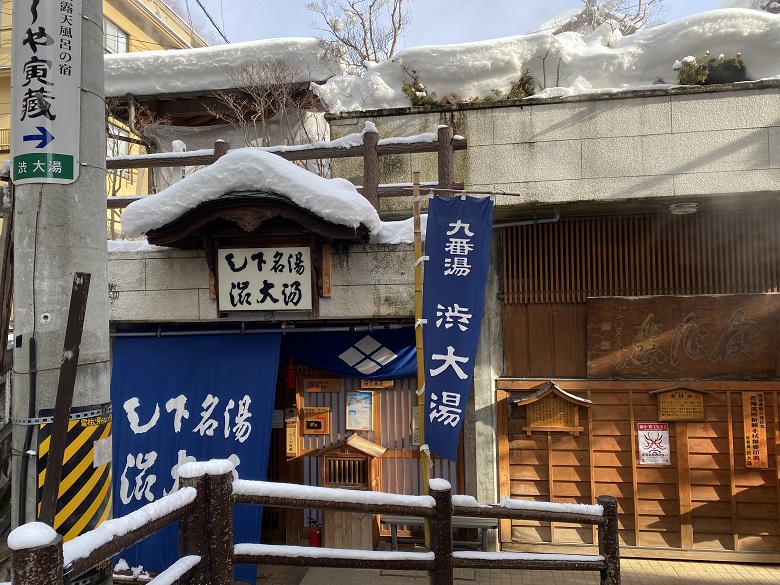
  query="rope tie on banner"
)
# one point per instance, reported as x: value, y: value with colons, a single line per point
x: 420, y: 260
x: 420, y: 391
x: 420, y: 323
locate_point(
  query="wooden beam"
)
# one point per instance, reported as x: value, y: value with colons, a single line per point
x: 64, y: 401
x: 142, y: 161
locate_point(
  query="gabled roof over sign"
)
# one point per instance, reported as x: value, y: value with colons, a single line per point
x: 355, y: 442
x: 248, y: 214
x: 551, y: 388
x: 249, y: 174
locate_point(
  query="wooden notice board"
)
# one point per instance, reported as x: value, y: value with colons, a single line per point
x: 754, y: 420
x: 322, y: 384
x: 680, y: 404
x: 316, y: 420
x: 706, y: 336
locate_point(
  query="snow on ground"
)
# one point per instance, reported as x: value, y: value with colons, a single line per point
x: 605, y: 61
x: 250, y: 169
x: 185, y: 70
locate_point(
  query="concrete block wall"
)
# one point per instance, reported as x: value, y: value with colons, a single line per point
x: 164, y: 286
x: 604, y: 149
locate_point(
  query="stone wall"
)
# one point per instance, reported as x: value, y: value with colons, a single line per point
x: 680, y: 143
x: 166, y: 286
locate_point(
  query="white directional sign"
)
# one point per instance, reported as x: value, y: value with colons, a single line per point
x: 45, y: 91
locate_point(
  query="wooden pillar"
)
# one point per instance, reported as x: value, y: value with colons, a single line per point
x: 445, y: 157
x: 38, y: 566
x: 504, y: 483
x: 441, y: 534
x: 220, y: 523
x: 684, y: 485
x: 193, y: 531
x: 609, y: 541
x: 371, y: 168
x: 220, y: 149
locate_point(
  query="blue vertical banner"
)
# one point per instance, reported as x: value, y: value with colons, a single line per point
x: 189, y: 398
x: 457, y: 245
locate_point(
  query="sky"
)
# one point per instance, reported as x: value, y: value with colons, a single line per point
x: 434, y: 22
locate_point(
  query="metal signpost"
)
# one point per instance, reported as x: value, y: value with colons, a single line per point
x: 46, y: 91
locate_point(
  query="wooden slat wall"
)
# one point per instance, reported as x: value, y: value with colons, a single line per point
x: 732, y: 508
x: 639, y: 255
x: 392, y: 429
x: 549, y: 272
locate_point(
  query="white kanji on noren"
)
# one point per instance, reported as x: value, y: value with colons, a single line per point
x: 446, y: 412
x: 452, y: 315
x: 450, y: 361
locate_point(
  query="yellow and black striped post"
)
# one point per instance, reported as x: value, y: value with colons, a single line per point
x: 84, y: 497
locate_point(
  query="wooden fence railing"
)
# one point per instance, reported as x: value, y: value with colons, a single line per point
x: 371, y: 150
x: 203, y: 506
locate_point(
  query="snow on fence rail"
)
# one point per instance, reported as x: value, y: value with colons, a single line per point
x: 204, y: 505
x: 366, y: 144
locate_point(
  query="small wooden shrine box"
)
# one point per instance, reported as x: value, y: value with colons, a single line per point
x: 551, y: 409
x: 351, y: 464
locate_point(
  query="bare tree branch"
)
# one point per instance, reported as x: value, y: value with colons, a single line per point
x: 363, y: 30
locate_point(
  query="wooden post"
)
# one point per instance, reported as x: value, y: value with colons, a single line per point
x: 684, y: 484
x: 445, y: 157
x: 193, y: 533
x: 220, y: 149
x: 609, y: 541
x: 38, y: 566
x: 371, y: 167
x: 64, y: 401
x: 220, y: 523
x: 424, y: 458
x: 441, y: 537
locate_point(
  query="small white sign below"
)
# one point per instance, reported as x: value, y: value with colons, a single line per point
x: 654, y: 446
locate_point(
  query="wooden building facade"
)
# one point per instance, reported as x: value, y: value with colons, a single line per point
x: 668, y: 325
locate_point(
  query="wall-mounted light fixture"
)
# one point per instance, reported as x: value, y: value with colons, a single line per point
x: 683, y: 208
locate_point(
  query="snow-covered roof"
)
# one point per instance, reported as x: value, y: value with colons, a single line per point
x: 604, y: 61
x: 192, y: 70
x: 257, y: 171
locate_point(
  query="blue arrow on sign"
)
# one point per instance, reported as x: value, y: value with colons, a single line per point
x: 45, y: 137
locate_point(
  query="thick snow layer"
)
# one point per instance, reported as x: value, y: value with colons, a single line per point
x: 467, y: 502
x: 211, y: 467
x: 588, y: 509
x: 82, y: 546
x: 173, y: 573
x: 565, y: 64
x: 189, y: 70
x: 31, y: 535
x: 439, y: 484
x: 304, y: 492
x: 314, y: 552
x: 399, y: 232
x: 251, y: 169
